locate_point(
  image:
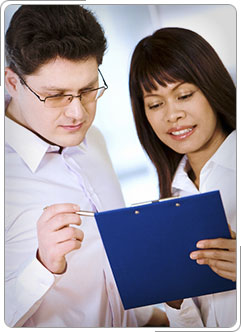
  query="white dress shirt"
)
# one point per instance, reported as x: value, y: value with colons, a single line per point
x: 36, y: 175
x: 219, y: 173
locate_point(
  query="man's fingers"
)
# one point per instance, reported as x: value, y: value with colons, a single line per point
x: 62, y: 220
x: 55, y: 209
x: 64, y: 248
x: 69, y: 233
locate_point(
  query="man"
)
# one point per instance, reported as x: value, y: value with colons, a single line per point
x: 57, y: 273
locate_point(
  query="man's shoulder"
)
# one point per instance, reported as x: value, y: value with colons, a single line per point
x: 97, y: 149
x: 94, y: 132
x: 95, y: 138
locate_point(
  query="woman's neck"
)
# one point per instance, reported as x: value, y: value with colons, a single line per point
x: 199, y: 158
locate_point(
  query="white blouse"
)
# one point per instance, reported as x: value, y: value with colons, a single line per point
x: 219, y: 173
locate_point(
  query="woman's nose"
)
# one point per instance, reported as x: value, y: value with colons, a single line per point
x: 174, y: 112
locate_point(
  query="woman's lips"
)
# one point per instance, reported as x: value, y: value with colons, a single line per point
x: 72, y: 127
x: 181, y: 133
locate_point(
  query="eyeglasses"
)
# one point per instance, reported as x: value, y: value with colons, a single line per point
x: 87, y: 96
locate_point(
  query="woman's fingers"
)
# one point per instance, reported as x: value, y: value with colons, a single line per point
x: 231, y: 275
x: 218, y: 264
x: 215, y: 254
x: 219, y: 254
x: 219, y: 243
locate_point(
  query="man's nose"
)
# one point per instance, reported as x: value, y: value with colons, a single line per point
x: 75, y: 109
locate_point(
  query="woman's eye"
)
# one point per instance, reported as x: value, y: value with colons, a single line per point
x: 186, y: 96
x: 155, y: 106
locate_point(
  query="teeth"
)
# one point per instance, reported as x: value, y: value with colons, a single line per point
x: 181, y: 132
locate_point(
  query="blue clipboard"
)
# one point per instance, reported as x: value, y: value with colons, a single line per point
x: 148, y: 248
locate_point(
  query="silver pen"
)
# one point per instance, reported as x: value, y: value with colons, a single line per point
x: 81, y: 213
x: 92, y: 214
x: 86, y: 213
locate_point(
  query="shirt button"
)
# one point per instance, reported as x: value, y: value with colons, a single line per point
x: 111, y: 286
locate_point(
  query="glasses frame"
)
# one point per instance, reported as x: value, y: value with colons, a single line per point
x: 105, y: 87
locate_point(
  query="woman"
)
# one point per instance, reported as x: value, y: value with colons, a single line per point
x: 184, y: 106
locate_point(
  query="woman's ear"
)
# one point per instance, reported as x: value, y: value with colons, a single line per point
x: 12, y: 81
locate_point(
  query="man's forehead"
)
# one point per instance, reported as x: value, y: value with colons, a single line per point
x: 62, y: 73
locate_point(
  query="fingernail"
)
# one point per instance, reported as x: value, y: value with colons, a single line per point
x: 200, y: 245
x: 76, y: 207
x: 193, y: 255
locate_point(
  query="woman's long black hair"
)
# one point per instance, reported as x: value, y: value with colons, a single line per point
x: 171, y: 55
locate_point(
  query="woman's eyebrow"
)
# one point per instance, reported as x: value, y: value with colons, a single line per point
x: 151, y: 94
x: 177, y: 86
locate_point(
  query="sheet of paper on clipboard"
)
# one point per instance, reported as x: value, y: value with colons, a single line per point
x: 148, y: 248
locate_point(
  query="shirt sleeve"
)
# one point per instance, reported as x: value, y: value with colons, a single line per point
x: 24, y: 293
x: 187, y: 316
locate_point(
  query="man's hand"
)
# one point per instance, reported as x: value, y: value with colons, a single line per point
x: 219, y: 254
x: 56, y: 237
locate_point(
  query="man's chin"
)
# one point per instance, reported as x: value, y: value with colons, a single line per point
x: 69, y: 143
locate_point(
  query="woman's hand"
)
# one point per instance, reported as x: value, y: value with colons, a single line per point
x: 219, y: 254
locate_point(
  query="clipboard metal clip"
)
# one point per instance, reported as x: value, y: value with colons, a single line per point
x: 158, y: 200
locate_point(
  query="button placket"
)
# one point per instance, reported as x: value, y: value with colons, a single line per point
x: 83, y: 181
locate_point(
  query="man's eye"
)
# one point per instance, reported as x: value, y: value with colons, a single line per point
x: 86, y: 91
x: 55, y: 95
x: 89, y: 89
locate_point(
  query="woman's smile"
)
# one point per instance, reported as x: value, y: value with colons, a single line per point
x: 182, y: 132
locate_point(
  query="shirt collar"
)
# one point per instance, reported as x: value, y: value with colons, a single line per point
x: 30, y: 147
x: 225, y: 156
x: 181, y: 179
x: 227, y: 153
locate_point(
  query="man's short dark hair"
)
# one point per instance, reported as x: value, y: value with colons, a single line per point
x: 39, y: 33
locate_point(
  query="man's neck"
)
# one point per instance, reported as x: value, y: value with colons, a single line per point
x: 9, y: 112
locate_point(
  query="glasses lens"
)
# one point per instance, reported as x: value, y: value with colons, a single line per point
x: 100, y: 92
x: 86, y: 97
x: 92, y: 95
x: 58, y: 101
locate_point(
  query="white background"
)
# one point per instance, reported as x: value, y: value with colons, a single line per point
x: 125, y: 25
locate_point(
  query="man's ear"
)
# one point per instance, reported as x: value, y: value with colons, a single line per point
x: 12, y: 81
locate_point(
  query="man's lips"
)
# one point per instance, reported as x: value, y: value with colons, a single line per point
x: 181, y: 132
x: 72, y: 127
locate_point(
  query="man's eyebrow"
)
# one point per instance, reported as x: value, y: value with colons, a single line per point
x: 58, y: 89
